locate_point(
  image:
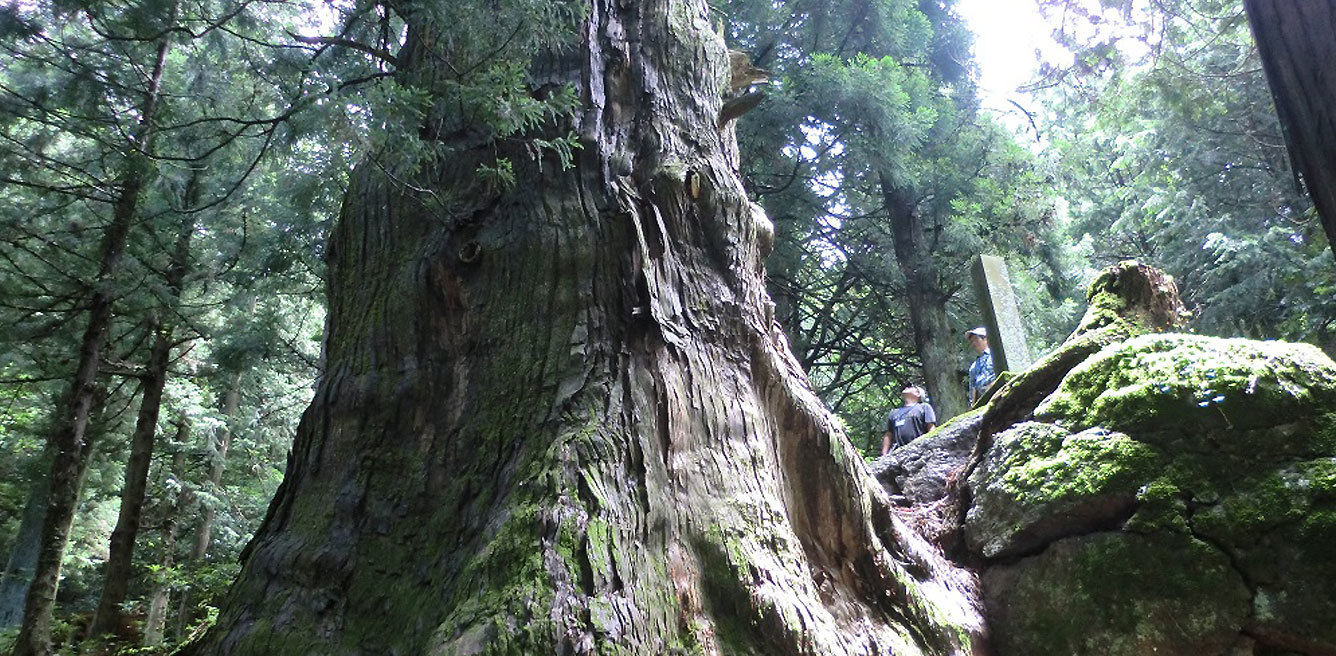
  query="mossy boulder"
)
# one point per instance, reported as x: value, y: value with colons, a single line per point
x: 1175, y: 494
x: 1168, y: 381
x: 1039, y: 483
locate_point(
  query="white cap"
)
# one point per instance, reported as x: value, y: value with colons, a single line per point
x: 979, y: 332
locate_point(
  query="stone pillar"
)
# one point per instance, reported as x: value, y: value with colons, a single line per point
x: 1001, y: 316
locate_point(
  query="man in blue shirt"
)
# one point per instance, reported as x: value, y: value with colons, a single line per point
x: 981, y: 370
x: 906, y: 423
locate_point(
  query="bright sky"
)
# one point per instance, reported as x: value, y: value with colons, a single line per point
x: 1007, y: 34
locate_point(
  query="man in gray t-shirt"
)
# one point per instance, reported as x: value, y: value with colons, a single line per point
x: 907, y: 422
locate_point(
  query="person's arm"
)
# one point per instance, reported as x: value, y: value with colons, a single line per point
x: 885, y: 443
x: 931, y: 426
x: 969, y: 381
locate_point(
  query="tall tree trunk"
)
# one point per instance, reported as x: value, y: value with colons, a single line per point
x: 72, y: 447
x: 564, y: 421
x: 218, y: 465
x: 218, y: 448
x: 28, y: 541
x: 16, y: 578
x: 1297, y: 43
x: 933, y: 337
x: 120, y: 558
x: 160, y: 598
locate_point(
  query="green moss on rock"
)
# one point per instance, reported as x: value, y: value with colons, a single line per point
x: 1133, y: 297
x: 1280, y: 527
x: 1125, y: 300
x: 1039, y: 482
x: 1089, y: 462
x: 1113, y: 594
x: 1166, y: 381
x: 1161, y: 506
x: 1174, y: 492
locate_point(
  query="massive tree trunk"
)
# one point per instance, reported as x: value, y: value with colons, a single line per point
x: 70, y: 439
x: 1297, y: 43
x: 933, y: 337
x: 120, y: 558
x: 563, y: 421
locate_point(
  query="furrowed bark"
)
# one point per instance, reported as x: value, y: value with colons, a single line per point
x: 933, y: 337
x: 562, y: 420
x: 119, y: 569
x: 1297, y: 44
x: 70, y: 442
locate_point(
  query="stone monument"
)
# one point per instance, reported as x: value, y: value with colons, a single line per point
x: 1001, y: 315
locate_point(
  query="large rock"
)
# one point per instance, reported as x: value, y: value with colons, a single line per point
x: 1039, y: 483
x: 1108, y: 593
x: 916, y: 473
x: 1175, y: 494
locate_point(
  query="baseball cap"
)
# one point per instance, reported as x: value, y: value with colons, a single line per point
x: 913, y: 390
x: 980, y: 331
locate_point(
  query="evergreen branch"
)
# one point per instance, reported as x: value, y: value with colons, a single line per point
x: 24, y: 380
x: 68, y: 190
x: 378, y: 53
x: 210, y: 26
